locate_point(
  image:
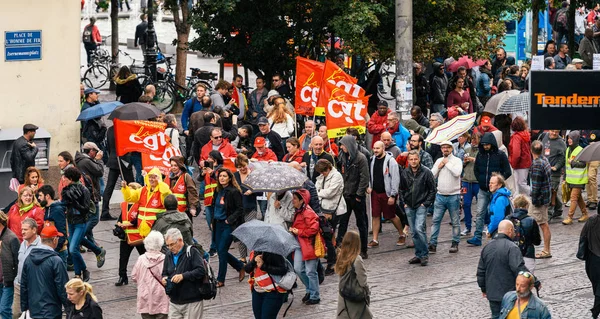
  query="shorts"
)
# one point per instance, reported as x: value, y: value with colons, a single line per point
x: 540, y: 214
x: 380, y: 206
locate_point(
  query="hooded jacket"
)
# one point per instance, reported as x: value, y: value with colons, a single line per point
x: 439, y: 85
x: 151, y: 296
x: 43, y: 282
x: 488, y: 162
x: 175, y: 219
x: 128, y: 89
x: 377, y: 125
x: 354, y: 168
x: 391, y: 175
x: 498, y: 208
x: 519, y: 150
x: 92, y: 168
x: 307, y: 223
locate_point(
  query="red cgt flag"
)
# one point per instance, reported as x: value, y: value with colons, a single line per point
x: 140, y: 136
x: 309, y: 75
x: 334, y: 76
x: 343, y: 111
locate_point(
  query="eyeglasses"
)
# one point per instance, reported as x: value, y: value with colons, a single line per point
x: 276, y: 80
x: 171, y: 244
x: 217, y: 137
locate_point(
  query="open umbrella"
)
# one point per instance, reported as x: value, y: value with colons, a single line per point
x: 274, y: 177
x: 451, y: 129
x: 466, y: 62
x: 516, y: 104
x: 98, y: 110
x: 590, y: 153
x: 260, y: 236
x: 134, y: 111
x: 493, y: 103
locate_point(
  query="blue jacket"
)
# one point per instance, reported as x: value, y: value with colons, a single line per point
x: 57, y: 213
x: 500, y: 200
x: 483, y: 85
x: 192, y: 105
x: 401, y: 137
x: 43, y: 282
x: 535, y: 309
x: 488, y: 162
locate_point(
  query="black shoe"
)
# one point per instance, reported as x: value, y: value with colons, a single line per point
x: 364, y: 255
x: 122, y: 281
x: 329, y: 271
x: 212, y: 253
x: 424, y: 261
x: 306, y: 297
x: 454, y: 248
x: 593, y: 206
x: 432, y: 249
x: 312, y: 301
x: 85, y: 275
x: 71, y: 267
x: 105, y: 218
x: 414, y: 261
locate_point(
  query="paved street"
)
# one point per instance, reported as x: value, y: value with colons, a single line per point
x: 446, y: 288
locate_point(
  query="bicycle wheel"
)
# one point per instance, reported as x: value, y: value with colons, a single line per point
x: 96, y: 76
x: 164, y: 98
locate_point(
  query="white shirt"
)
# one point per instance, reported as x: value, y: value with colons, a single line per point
x: 449, y: 176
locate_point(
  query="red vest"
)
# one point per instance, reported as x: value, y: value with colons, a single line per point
x: 148, y: 209
x: 263, y: 279
x: 180, y: 191
x: 132, y: 233
x: 209, y: 189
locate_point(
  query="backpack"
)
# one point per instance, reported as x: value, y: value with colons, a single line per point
x: 208, y: 288
x: 519, y: 237
x: 87, y: 34
x: 561, y: 20
x: 87, y: 182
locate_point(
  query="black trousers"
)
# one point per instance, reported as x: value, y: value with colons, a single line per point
x: 90, y: 47
x: 328, y: 236
x: 124, y: 253
x: 113, y: 177
x: 360, y: 213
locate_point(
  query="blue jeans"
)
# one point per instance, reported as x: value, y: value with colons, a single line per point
x: 416, y: 221
x: 307, y: 272
x: 266, y: 305
x: 262, y: 204
x: 495, y: 308
x: 6, y: 301
x: 483, y: 203
x: 209, y: 211
x: 64, y: 255
x: 443, y: 203
x: 223, y: 240
x: 76, y: 239
x: 472, y: 191
x: 437, y: 108
x: 136, y: 161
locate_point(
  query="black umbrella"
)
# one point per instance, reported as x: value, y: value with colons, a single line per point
x: 134, y: 111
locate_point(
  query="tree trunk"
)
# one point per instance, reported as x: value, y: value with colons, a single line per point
x: 535, y: 27
x: 114, y: 39
x: 182, y: 27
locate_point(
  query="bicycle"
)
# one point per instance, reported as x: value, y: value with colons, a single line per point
x: 98, y: 73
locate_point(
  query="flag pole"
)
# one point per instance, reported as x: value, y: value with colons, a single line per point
x: 120, y: 168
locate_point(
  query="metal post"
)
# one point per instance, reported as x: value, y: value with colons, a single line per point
x: 151, y: 52
x: 404, y: 57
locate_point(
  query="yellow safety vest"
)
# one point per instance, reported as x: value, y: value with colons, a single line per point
x: 575, y: 176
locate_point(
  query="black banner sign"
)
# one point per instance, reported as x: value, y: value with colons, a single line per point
x: 565, y: 100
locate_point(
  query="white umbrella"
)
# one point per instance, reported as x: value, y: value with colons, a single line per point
x: 494, y: 103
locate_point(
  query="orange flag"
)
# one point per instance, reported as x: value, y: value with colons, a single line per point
x: 140, y: 136
x: 309, y: 75
x: 344, y: 110
x: 162, y: 162
x: 336, y: 77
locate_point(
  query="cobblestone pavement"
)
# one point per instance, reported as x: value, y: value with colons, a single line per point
x: 447, y: 288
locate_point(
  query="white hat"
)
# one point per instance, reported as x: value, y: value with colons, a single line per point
x: 447, y: 143
x: 272, y: 93
x: 577, y: 61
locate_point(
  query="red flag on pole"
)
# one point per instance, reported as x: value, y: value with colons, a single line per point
x: 309, y: 75
x: 140, y: 136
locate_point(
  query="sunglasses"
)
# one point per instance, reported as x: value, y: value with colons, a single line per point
x: 217, y: 137
x: 526, y: 274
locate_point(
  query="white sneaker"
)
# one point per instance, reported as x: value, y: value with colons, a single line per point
x: 465, y: 232
x: 485, y: 230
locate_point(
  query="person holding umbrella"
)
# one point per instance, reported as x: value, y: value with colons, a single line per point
x: 228, y: 214
x: 267, y: 295
x: 306, y: 229
x: 248, y: 197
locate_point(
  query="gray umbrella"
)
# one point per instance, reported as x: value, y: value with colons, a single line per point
x: 274, y: 177
x: 260, y: 236
x: 495, y: 101
x: 516, y: 104
x: 590, y: 153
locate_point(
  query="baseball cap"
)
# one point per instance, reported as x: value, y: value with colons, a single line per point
x: 90, y: 146
x: 577, y: 61
x: 30, y: 127
x: 263, y: 120
x: 382, y: 103
x: 50, y: 231
x: 260, y: 141
x: 90, y: 91
x: 446, y: 143
x: 486, y: 121
x: 272, y: 93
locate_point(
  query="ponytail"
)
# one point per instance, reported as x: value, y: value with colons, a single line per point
x: 78, y: 285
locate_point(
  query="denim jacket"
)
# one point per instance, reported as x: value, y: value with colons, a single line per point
x: 535, y: 309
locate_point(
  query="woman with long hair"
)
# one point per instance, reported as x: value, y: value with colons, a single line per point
x: 295, y: 152
x: 349, y: 260
x: 519, y: 154
x: 459, y: 101
x: 65, y: 160
x: 182, y: 186
x: 27, y: 206
x: 248, y: 197
x: 172, y: 131
x: 484, y: 82
x: 267, y: 296
x: 33, y: 179
x: 129, y: 88
x: 281, y: 119
x: 82, y: 301
x: 228, y: 212
x: 515, y: 76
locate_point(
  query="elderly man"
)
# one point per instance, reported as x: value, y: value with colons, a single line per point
x: 31, y: 240
x: 150, y: 91
x: 522, y: 303
x: 330, y: 146
x: 217, y: 142
x: 499, y: 264
x: 398, y: 131
x: 310, y: 158
x: 435, y: 120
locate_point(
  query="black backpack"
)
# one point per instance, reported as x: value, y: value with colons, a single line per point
x: 208, y: 288
x: 87, y: 34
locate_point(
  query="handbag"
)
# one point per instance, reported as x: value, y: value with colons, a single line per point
x: 288, y: 280
x: 319, y: 246
x: 582, y: 252
x: 566, y: 192
x: 349, y: 287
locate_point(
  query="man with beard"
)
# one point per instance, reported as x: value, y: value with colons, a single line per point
x: 522, y: 303
x: 416, y: 143
x: 439, y: 85
x: 500, y: 61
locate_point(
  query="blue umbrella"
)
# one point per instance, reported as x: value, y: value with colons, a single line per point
x: 98, y: 110
x: 260, y: 236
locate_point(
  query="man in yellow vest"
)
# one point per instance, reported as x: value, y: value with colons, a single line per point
x: 576, y: 178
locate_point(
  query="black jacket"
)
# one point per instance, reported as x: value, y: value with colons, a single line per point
x: 93, y: 131
x: 310, y: 158
x: 499, y: 265
x: 417, y: 189
x: 92, y: 168
x: 140, y: 33
x: 192, y: 268
x: 9, y: 255
x: 275, y: 143
x: 90, y: 310
x: 530, y: 235
x: 43, y: 282
x: 22, y: 157
x: 439, y: 85
x: 78, y: 200
x: 234, y: 207
x: 421, y: 90
x: 129, y: 90
x: 354, y: 167
x: 57, y: 214
x: 488, y: 162
x: 112, y: 153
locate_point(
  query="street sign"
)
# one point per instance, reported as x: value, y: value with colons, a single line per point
x: 22, y: 45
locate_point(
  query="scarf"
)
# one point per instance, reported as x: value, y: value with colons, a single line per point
x: 25, y: 209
